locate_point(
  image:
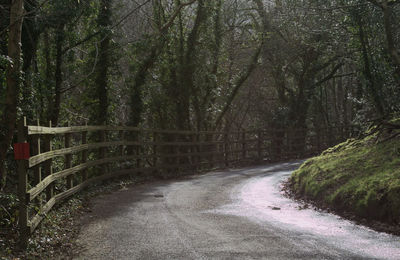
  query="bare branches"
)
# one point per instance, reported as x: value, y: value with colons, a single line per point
x: 330, y: 75
x: 239, y: 82
x: 87, y: 76
x: 20, y: 17
x: 163, y: 29
x: 91, y: 36
x: 174, y: 15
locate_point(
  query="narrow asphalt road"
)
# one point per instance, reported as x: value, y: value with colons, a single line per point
x: 236, y: 214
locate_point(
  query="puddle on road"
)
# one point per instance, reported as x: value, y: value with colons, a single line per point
x: 260, y: 200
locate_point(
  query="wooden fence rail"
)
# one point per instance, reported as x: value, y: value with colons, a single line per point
x: 67, y: 159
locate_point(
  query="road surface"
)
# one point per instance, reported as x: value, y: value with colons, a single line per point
x: 234, y: 214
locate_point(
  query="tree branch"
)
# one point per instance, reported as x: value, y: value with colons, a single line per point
x: 329, y: 76
x: 174, y: 15
x: 89, y: 37
x: 162, y: 29
x: 242, y: 79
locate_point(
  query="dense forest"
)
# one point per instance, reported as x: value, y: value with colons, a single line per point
x: 197, y: 64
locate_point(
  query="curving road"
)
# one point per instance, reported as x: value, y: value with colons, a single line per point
x: 235, y: 214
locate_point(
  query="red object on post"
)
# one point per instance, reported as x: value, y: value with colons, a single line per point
x: 21, y: 151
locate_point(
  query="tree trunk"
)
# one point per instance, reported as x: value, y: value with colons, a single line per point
x: 104, y: 21
x: 13, y: 82
x: 29, y: 39
x: 139, y: 79
x: 60, y: 36
x: 298, y: 115
x: 238, y: 84
x: 48, y: 77
x: 393, y: 52
x: 372, y: 88
x: 187, y: 70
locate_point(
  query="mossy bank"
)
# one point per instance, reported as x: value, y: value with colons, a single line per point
x: 360, y: 178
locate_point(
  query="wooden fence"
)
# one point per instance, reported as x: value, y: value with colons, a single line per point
x: 67, y: 159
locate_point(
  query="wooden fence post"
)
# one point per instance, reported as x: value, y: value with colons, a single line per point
x: 193, y: 149
x: 200, y: 141
x: 244, y: 155
x: 221, y: 156
x: 259, y: 145
x: 138, y: 148
x: 37, y: 170
x: 198, y: 151
x: 210, y: 149
x: 121, y: 138
x: 84, y: 156
x: 22, y: 188
x: 177, y: 151
x: 48, y: 164
x: 103, y: 150
x: 155, y: 140
x: 68, y: 159
x: 226, y: 155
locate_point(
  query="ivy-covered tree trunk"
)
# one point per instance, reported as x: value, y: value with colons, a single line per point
x: 187, y: 70
x: 372, y: 84
x: 13, y: 82
x: 60, y: 36
x: 298, y: 115
x: 139, y: 79
x: 387, y: 8
x: 205, y: 119
x: 46, y: 114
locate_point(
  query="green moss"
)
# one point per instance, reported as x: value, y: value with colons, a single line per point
x: 360, y: 176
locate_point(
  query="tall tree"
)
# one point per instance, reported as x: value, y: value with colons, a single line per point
x: 103, y: 65
x: 13, y: 82
x: 387, y: 8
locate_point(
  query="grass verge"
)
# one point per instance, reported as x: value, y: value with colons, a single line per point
x: 358, y: 179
